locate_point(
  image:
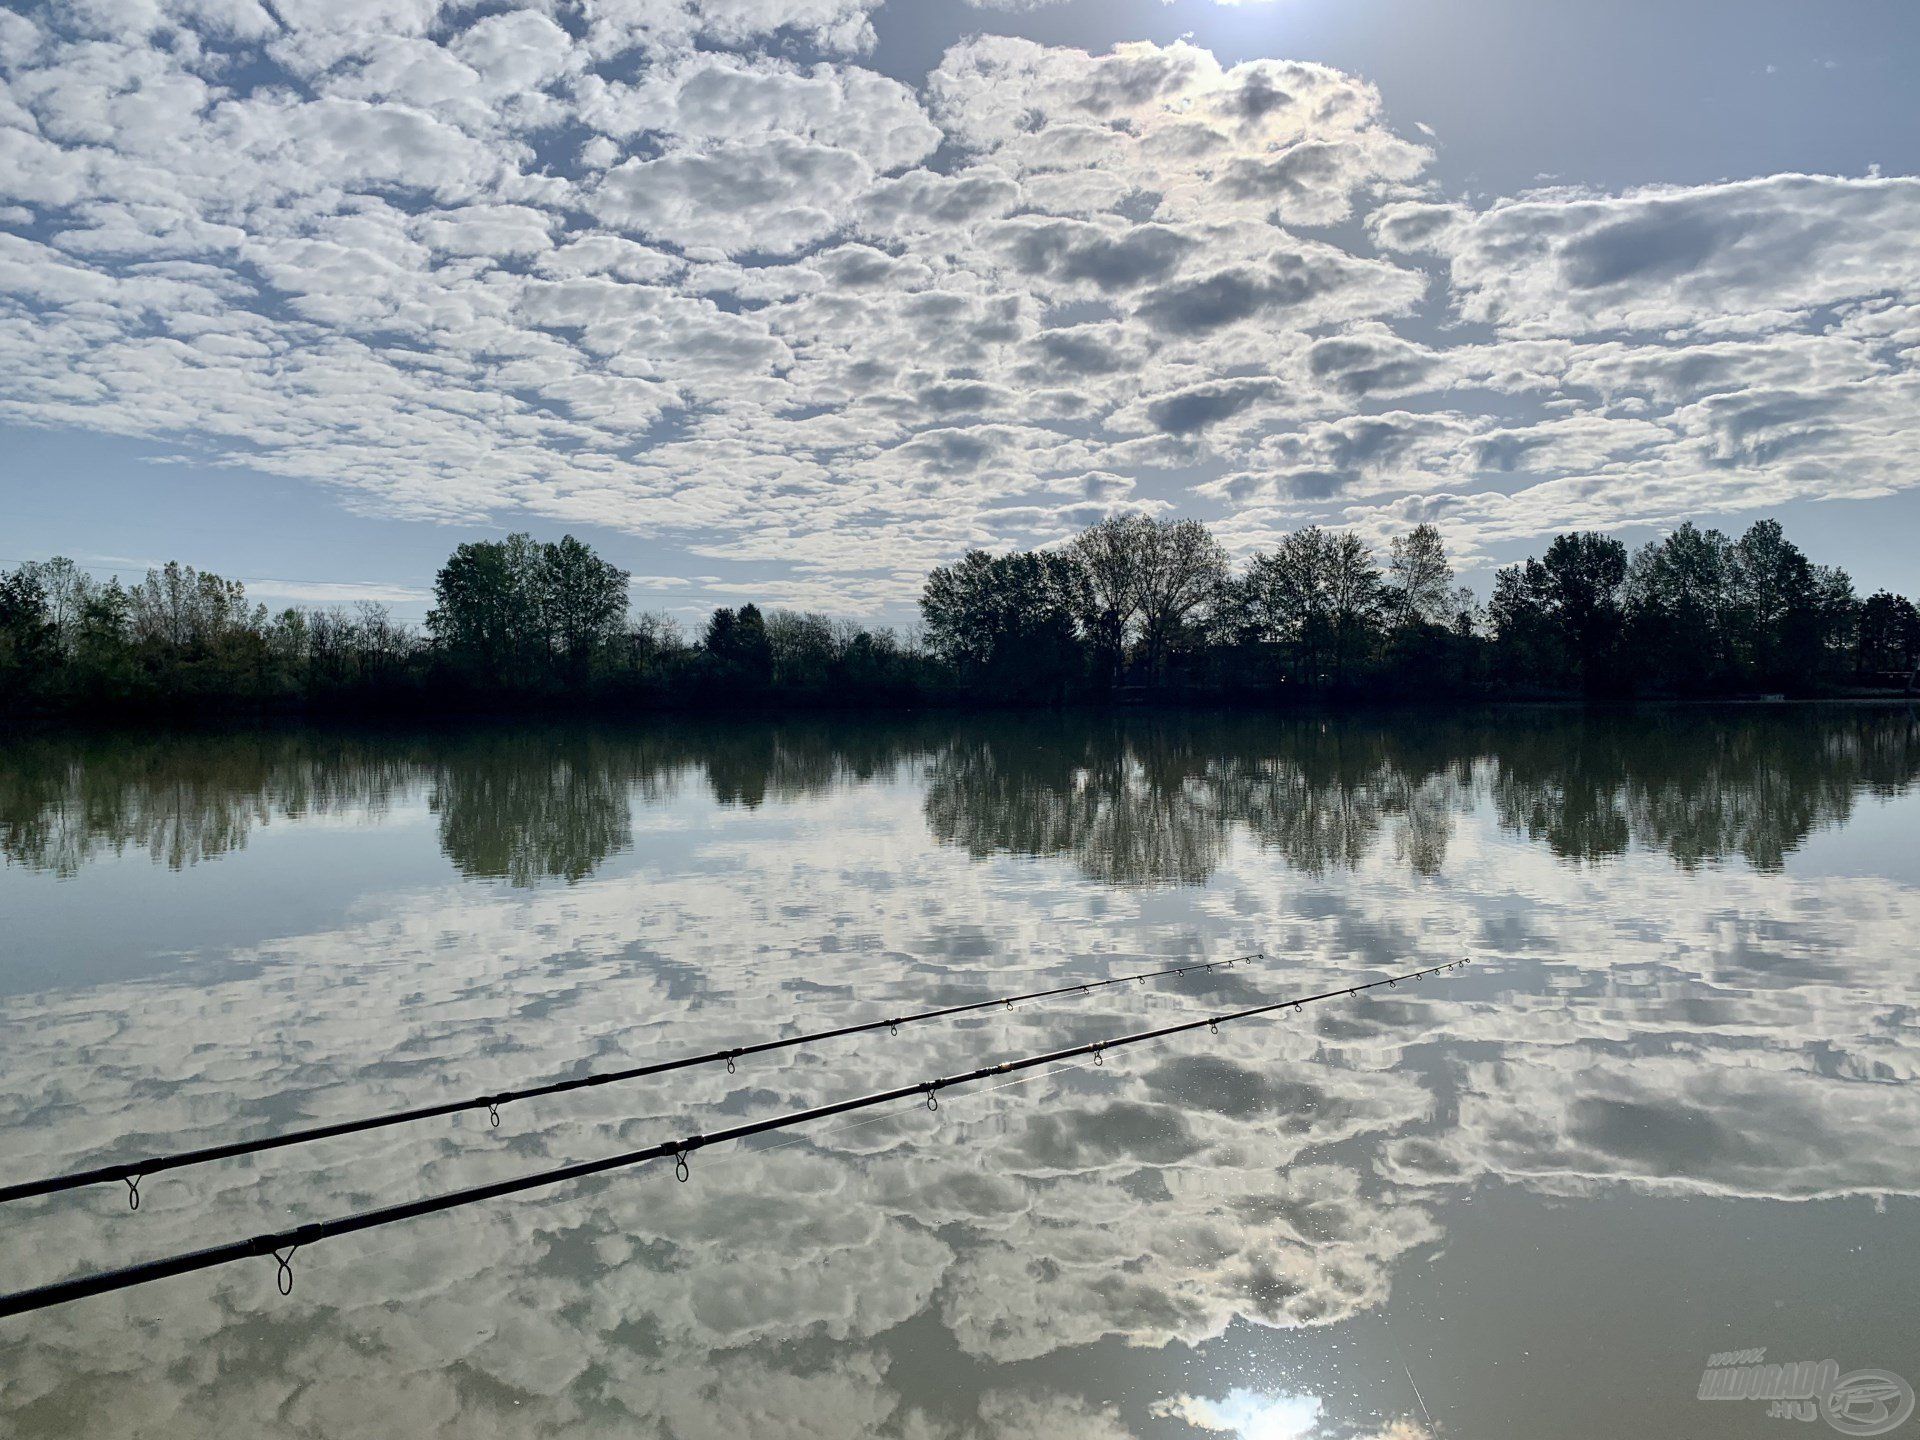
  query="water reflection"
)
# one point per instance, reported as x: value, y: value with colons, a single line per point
x: 65, y: 802
x: 1139, y: 802
x: 1754, y: 787
x: 527, y: 808
x: 1228, y: 1235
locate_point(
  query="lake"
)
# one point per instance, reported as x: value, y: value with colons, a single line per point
x: 1666, y: 1113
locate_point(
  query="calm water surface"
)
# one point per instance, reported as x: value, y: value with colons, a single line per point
x: 1670, y: 1111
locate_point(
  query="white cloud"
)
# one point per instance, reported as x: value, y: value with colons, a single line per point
x: 629, y: 264
x: 1575, y: 262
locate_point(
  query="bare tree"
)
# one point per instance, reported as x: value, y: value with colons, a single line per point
x: 68, y: 588
x: 1419, y: 579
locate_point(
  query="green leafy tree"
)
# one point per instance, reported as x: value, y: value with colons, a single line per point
x: 1528, y: 641
x: 1356, y: 599
x: 739, y: 653
x: 1319, y: 595
x: 28, y: 640
x: 487, y: 607
x: 1773, y: 603
x: 583, y: 602
x: 1678, y: 602
x: 1288, y: 600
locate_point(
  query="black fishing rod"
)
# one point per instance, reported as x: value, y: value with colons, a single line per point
x: 132, y: 1172
x: 281, y: 1244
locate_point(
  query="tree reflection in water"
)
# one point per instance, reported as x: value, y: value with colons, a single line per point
x: 1134, y: 801
x: 1633, y: 1033
x: 1155, y: 801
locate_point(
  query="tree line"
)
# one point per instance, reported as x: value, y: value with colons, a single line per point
x: 1133, y: 607
x: 1140, y: 605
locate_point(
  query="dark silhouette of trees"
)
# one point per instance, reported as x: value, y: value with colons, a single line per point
x: 1560, y: 620
x: 1419, y: 586
x: 584, y: 602
x: 27, y: 635
x: 1180, y: 572
x: 1132, y: 608
x: 1317, y: 599
x: 1586, y: 581
x: 1888, y: 636
x: 738, y: 652
x: 1108, y: 556
x: 1006, y: 623
x: 1678, y: 591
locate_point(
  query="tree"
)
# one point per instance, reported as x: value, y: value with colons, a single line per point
x: 1419, y: 587
x: 738, y: 650
x: 67, y: 589
x: 1006, y: 622
x: 163, y: 607
x: 1527, y: 639
x: 1319, y: 594
x: 1355, y: 599
x: 583, y: 601
x: 1111, y: 557
x: 1287, y: 600
x: 27, y: 635
x: 1677, y: 597
x: 486, y: 606
x: 650, y: 640
x: 1774, y: 605
x: 1181, y: 569
x: 1887, y: 640
x: 103, y: 644
x: 1586, y: 575
x: 804, y: 648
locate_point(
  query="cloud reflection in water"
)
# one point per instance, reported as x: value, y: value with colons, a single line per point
x: 1666, y: 1003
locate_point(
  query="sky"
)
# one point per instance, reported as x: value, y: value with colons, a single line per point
x: 790, y: 302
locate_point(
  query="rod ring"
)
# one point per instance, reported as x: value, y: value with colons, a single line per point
x: 283, y: 1277
x: 493, y: 1114
x: 680, y: 1171
x: 133, y: 1190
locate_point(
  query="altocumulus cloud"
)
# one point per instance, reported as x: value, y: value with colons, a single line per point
x: 633, y: 265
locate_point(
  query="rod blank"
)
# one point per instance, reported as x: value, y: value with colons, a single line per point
x: 281, y: 1244
x: 132, y: 1172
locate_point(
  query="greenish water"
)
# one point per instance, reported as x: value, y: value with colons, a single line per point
x: 1667, y: 1113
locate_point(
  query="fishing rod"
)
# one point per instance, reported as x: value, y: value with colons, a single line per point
x: 282, y: 1244
x: 132, y: 1172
